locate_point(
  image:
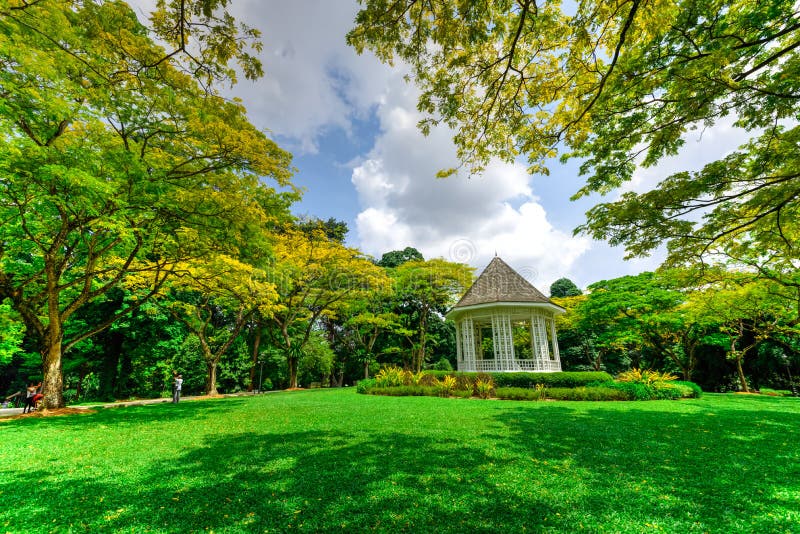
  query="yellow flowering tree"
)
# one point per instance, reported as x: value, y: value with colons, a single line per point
x: 315, y: 277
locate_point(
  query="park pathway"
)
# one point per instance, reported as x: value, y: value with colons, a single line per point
x: 8, y: 412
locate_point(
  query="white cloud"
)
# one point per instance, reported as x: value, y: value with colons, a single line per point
x: 313, y: 81
x: 458, y: 218
x: 701, y: 147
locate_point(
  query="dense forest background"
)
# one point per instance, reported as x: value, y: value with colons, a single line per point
x: 647, y: 321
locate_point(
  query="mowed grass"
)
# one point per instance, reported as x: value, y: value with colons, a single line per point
x: 338, y: 461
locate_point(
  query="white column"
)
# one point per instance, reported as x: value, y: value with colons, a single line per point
x: 555, y: 355
x: 459, y: 354
x: 541, y: 351
x: 502, y: 336
x: 467, y: 344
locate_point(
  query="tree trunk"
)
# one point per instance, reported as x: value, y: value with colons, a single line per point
x: 740, y: 372
x: 53, y: 380
x: 366, y: 368
x: 211, y: 378
x: 292, y: 371
x: 423, y: 330
x: 256, y: 344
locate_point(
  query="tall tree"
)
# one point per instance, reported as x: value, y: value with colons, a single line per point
x: 395, y: 258
x: 214, y: 299
x: 617, y: 84
x: 424, y: 288
x: 747, y: 313
x: 114, y: 162
x: 564, y: 287
x: 315, y: 277
x: 652, y: 310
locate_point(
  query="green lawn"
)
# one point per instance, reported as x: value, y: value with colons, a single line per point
x: 335, y: 460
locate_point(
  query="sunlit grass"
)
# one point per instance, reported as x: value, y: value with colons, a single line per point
x: 335, y: 460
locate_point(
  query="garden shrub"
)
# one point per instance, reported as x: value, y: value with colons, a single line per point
x: 645, y: 376
x: 414, y: 379
x: 405, y: 391
x: 391, y: 377
x: 484, y: 387
x: 690, y: 390
x: 633, y: 390
x: 589, y: 393
x: 463, y: 393
x: 518, y: 393
x: 446, y: 386
x: 656, y: 390
x: 549, y: 380
x: 363, y: 386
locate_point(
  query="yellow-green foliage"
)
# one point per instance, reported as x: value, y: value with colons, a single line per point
x: 446, y: 385
x: 645, y: 376
x: 484, y: 388
x: 390, y: 377
x: 414, y: 379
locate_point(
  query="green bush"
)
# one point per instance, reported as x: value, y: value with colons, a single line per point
x: 463, y: 393
x: 519, y: 393
x: 405, y: 391
x: 691, y: 391
x: 633, y: 390
x: 590, y: 393
x: 656, y: 390
x: 595, y: 393
x: 446, y: 386
x: 484, y: 388
x: 363, y: 386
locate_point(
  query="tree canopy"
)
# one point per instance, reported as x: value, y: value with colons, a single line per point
x: 395, y: 258
x: 618, y: 85
x: 564, y: 287
x: 115, y: 164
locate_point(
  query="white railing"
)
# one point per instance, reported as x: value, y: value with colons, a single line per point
x: 492, y: 366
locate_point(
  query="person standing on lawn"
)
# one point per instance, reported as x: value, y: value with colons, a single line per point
x: 176, y: 388
x: 30, y: 394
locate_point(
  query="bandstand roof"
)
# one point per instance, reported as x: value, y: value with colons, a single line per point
x: 499, y: 283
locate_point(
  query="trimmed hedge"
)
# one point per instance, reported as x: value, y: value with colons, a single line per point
x: 595, y: 393
x: 405, y: 391
x: 518, y: 393
x: 656, y: 391
x: 607, y: 390
x: 531, y: 380
x: 592, y: 393
x: 691, y: 391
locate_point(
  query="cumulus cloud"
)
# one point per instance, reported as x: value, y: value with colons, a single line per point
x: 313, y: 81
x: 460, y: 218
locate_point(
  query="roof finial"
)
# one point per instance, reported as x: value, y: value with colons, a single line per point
x: 495, y: 253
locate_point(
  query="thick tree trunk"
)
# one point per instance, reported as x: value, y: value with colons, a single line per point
x: 366, y: 368
x: 53, y: 380
x: 292, y: 371
x: 211, y: 378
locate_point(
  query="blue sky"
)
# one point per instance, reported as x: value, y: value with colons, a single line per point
x: 350, y: 122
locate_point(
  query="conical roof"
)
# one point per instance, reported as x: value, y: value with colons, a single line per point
x: 500, y: 283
